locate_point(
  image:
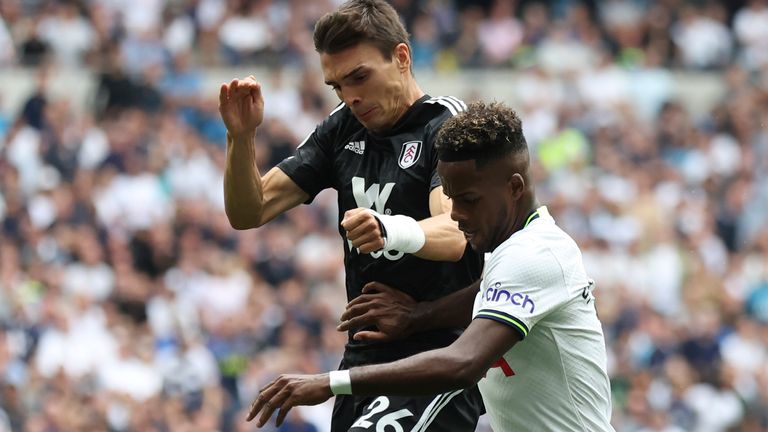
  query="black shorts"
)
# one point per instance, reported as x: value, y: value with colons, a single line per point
x: 454, y: 411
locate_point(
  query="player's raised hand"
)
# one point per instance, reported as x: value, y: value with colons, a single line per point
x: 241, y: 106
x: 363, y: 230
x: 286, y: 392
x: 389, y: 310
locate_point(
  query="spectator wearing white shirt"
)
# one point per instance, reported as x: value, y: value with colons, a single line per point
x: 703, y: 39
x: 88, y: 275
x: 750, y: 25
x: 70, y: 35
x: 245, y: 33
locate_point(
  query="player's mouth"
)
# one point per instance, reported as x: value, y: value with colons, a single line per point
x: 366, y: 114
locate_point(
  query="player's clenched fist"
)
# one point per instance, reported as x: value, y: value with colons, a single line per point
x: 241, y: 105
x: 363, y: 230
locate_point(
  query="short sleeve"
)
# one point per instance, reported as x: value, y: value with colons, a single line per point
x: 311, y: 167
x: 522, y: 288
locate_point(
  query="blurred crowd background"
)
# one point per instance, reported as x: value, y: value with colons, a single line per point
x: 128, y: 303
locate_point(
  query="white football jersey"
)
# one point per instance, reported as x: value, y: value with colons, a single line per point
x: 555, y: 379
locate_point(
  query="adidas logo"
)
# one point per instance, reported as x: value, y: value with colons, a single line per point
x: 356, y: 146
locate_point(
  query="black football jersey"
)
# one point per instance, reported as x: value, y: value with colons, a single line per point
x: 392, y: 173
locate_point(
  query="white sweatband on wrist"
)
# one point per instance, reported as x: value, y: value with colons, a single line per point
x: 341, y: 383
x: 401, y: 233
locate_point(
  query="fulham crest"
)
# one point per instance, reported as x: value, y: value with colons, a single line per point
x: 409, y: 154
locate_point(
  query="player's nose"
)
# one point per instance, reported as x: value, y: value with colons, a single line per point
x: 458, y: 215
x: 351, y: 98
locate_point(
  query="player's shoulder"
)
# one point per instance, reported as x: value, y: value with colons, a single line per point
x: 340, y: 121
x: 435, y: 110
x: 542, y: 247
x: 341, y: 116
x: 449, y: 105
x: 541, y: 243
x: 522, y: 250
x: 525, y: 261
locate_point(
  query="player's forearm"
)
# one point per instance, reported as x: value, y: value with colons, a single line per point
x: 453, y: 310
x: 457, y: 366
x: 243, y: 192
x: 431, y: 372
x: 443, y: 240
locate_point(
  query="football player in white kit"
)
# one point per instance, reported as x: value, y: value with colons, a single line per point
x: 535, y: 343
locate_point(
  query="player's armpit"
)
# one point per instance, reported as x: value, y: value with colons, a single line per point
x: 485, y: 341
x: 281, y: 194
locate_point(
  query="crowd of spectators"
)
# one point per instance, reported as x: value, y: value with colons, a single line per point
x: 446, y: 34
x: 128, y: 303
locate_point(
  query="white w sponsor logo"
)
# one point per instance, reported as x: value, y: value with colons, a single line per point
x: 371, y: 198
x: 374, y: 197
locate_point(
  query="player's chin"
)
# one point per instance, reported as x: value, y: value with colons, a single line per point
x: 476, y: 243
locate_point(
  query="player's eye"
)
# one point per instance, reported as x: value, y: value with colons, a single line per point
x: 360, y: 78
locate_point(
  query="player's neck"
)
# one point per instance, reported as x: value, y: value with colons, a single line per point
x: 519, y: 219
x: 413, y: 93
x: 527, y: 210
x: 409, y: 97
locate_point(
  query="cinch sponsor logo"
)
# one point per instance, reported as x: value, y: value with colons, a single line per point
x: 356, y: 146
x: 496, y: 294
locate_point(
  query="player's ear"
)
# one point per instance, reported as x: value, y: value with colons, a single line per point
x: 402, y: 56
x: 516, y: 185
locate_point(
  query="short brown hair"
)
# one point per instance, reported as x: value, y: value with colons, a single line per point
x: 484, y: 132
x: 356, y: 21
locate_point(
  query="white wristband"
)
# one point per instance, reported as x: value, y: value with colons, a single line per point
x: 403, y: 233
x: 341, y: 383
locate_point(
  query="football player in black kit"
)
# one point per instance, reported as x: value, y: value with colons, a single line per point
x: 376, y: 150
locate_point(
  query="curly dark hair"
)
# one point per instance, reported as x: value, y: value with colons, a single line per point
x: 356, y: 21
x: 484, y: 132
